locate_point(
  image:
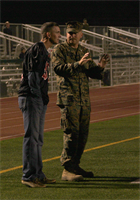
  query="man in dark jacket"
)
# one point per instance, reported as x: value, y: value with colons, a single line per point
x: 33, y: 99
x: 73, y: 66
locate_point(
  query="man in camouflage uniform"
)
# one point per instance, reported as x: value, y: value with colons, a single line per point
x: 73, y: 66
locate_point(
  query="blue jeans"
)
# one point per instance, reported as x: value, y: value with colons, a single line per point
x: 33, y: 111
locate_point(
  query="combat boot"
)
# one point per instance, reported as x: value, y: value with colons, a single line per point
x: 84, y: 173
x: 137, y: 181
x: 70, y: 176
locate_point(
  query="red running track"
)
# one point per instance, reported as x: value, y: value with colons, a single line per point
x: 106, y: 103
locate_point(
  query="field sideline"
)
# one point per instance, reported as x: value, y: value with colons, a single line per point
x: 112, y: 153
x: 112, y: 150
x: 58, y: 157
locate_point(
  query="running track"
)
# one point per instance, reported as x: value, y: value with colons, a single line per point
x: 106, y: 103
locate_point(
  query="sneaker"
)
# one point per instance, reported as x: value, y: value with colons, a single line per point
x: 34, y: 183
x: 84, y: 173
x: 47, y: 181
x: 70, y: 176
x: 136, y: 181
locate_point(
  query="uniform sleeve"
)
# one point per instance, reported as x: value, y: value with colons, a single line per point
x: 59, y: 64
x: 94, y: 71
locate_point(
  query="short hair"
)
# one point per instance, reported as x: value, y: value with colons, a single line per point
x: 7, y: 22
x: 47, y: 27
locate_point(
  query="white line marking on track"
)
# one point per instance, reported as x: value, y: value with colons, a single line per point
x: 54, y: 119
x: 115, y: 117
x: 48, y: 113
x: 56, y: 128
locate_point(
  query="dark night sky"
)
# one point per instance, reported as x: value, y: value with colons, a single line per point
x: 98, y: 13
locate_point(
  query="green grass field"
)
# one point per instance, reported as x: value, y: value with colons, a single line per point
x: 112, y: 153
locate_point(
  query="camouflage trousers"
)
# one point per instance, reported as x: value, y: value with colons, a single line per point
x: 75, y: 125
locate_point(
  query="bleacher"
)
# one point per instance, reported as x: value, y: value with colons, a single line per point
x: 10, y: 76
x: 123, y: 67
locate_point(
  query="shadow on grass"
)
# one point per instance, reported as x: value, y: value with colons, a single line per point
x: 113, y: 179
x: 100, y: 182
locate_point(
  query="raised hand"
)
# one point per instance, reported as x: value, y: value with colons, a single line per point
x: 84, y: 59
x: 103, y: 60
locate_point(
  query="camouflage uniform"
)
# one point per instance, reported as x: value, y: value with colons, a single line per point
x: 73, y: 98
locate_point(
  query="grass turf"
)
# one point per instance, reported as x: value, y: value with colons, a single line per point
x: 114, y: 166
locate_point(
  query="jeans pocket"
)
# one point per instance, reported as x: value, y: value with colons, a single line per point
x: 22, y: 102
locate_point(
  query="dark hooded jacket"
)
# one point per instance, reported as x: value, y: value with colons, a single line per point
x: 35, y: 72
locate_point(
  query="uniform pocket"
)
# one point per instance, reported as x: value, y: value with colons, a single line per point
x: 69, y: 99
x: 64, y: 99
x: 22, y: 102
x: 65, y: 124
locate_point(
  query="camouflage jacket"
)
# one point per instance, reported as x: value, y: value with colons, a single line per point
x: 72, y: 78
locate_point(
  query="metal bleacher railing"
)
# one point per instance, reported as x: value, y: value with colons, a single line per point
x: 18, y: 41
x: 117, y: 47
x: 11, y: 69
x: 122, y: 68
x: 112, y: 45
x: 63, y: 38
x: 124, y: 33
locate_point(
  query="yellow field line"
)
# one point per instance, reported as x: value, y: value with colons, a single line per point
x: 106, y: 145
x: 57, y: 157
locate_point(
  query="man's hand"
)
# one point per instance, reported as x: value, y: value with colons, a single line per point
x: 84, y: 59
x: 21, y: 77
x: 104, y: 60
